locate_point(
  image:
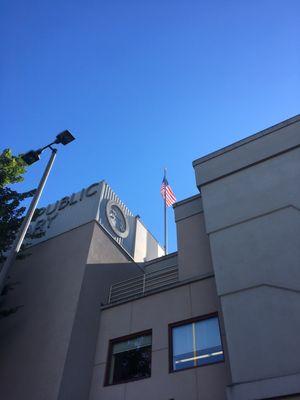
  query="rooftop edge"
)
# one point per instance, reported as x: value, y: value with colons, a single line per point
x: 246, y: 140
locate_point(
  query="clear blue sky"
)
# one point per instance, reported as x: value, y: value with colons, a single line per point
x: 142, y: 85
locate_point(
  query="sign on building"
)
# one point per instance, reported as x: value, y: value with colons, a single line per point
x: 97, y: 202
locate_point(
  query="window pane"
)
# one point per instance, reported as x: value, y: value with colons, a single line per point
x: 196, y: 343
x: 183, y: 347
x: 131, y: 344
x: 131, y: 359
x: 208, y: 341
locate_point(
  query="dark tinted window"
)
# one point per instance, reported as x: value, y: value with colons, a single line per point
x: 130, y: 359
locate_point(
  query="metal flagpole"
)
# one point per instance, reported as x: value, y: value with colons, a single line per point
x: 165, y: 212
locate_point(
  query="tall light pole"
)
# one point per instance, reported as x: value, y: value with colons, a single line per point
x: 29, y: 158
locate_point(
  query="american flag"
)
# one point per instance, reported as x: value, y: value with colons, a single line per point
x: 165, y: 190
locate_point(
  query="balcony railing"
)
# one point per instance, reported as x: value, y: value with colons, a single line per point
x: 142, y: 284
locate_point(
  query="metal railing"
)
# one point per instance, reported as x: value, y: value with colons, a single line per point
x: 142, y: 284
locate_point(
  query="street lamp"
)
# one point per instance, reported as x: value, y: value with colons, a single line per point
x: 32, y: 156
x: 29, y: 158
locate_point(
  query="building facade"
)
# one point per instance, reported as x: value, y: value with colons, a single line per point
x: 106, y: 316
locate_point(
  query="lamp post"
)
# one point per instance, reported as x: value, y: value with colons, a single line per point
x: 29, y: 158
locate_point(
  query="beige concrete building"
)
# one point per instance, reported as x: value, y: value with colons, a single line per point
x: 106, y: 316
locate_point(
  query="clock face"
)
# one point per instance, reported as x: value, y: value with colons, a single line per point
x: 117, y: 219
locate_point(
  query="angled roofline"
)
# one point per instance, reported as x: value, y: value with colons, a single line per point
x: 246, y: 140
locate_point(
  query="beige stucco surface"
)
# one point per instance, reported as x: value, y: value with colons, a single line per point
x: 251, y: 202
x: 156, y: 312
x: 61, y: 286
x: 34, y: 341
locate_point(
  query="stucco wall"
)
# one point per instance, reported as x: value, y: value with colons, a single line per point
x: 156, y: 312
x: 194, y: 256
x: 252, y: 215
x: 146, y: 246
x: 34, y: 341
x: 106, y: 264
x: 47, y: 348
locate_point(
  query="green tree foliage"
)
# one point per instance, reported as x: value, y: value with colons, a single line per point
x: 12, y: 169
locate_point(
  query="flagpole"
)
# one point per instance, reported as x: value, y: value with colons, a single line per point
x: 165, y: 213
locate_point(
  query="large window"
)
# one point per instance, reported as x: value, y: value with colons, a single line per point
x: 129, y: 358
x: 194, y: 343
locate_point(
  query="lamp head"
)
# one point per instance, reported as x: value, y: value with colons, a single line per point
x: 64, y: 137
x: 31, y: 156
